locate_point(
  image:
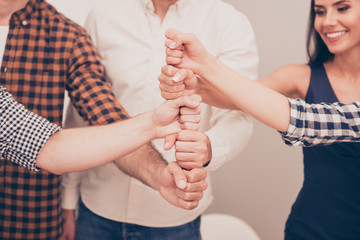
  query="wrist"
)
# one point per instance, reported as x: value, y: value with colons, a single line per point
x: 155, y: 169
x: 207, y: 65
x: 148, y: 125
x: 159, y: 176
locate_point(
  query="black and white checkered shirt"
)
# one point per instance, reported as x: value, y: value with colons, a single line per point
x: 22, y: 133
x: 321, y: 124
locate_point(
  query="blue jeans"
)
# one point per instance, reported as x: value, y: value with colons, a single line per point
x: 90, y: 226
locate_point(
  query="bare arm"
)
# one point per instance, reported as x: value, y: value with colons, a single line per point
x: 274, y: 112
x: 84, y: 148
x: 179, y: 187
x: 175, y: 82
x: 221, y: 86
x: 185, y: 51
x: 145, y: 164
x: 311, y: 124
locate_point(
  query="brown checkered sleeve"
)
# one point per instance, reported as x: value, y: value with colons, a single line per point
x: 88, y: 88
x: 46, y: 54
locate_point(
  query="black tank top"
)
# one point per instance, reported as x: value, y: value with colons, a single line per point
x: 328, y: 205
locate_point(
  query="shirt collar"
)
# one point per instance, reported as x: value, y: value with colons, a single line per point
x: 180, y: 5
x: 28, y: 11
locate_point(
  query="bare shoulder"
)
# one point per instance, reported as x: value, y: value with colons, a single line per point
x: 292, y: 80
x: 292, y: 72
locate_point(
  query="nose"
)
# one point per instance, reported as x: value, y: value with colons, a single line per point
x: 330, y: 19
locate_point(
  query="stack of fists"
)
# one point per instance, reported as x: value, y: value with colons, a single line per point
x: 192, y: 147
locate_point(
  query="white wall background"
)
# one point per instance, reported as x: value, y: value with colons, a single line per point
x: 262, y: 183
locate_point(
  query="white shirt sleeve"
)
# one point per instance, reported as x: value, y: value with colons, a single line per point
x: 70, y: 193
x: 231, y: 130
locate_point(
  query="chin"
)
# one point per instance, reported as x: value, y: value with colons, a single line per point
x: 337, y: 49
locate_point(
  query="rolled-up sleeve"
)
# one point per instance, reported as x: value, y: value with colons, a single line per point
x: 321, y: 124
x: 23, y: 133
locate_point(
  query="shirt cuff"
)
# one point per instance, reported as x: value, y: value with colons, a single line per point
x: 292, y: 136
x: 27, y: 141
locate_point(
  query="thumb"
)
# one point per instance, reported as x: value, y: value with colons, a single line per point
x: 179, y: 176
x: 169, y: 141
x: 177, y: 38
x: 192, y: 101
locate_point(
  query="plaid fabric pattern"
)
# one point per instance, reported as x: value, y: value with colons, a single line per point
x: 45, y: 54
x: 322, y: 124
x: 22, y: 133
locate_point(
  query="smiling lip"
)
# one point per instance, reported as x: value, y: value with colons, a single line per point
x: 334, y: 36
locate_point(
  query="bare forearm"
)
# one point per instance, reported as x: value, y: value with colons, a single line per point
x: 84, y: 148
x: 144, y: 164
x: 213, y: 96
x: 262, y: 103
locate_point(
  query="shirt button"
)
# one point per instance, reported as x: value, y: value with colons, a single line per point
x: 5, y: 69
x: 24, y: 23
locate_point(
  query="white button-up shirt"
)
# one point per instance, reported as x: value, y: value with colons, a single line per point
x: 130, y: 39
x: 4, y: 30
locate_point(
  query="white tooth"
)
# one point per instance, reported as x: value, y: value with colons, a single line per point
x: 334, y: 35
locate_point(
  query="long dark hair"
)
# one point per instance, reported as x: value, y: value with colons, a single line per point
x: 317, y: 51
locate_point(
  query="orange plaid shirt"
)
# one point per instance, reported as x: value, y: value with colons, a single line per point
x: 45, y: 54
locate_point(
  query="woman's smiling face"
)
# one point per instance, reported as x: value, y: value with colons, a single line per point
x: 338, y: 24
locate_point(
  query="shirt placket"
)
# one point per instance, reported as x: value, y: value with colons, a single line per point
x: 9, y: 55
x: 5, y: 75
x: 153, y: 64
x: 157, y: 55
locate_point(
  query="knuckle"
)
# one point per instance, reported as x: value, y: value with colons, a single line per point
x: 167, y: 59
x: 172, y: 71
x: 197, y: 164
x: 180, y: 87
x: 161, y: 87
x: 180, y: 134
x: 197, y: 110
x: 168, y: 50
x: 201, y: 195
x: 204, y: 186
x: 181, y: 119
x: 191, y: 178
x: 179, y: 94
x: 203, y: 149
x: 163, y: 69
x: 177, y: 155
x: 187, y: 196
x: 164, y: 95
x: 193, y: 204
x: 188, y: 206
x: 186, y: 126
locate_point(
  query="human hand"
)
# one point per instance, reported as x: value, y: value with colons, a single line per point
x: 69, y: 224
x: 182, y: 188
x: 193, y: 149
x: 176, y: 82
x: 185, y: 51
x: 189, y: 119
x: 164, y: 117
